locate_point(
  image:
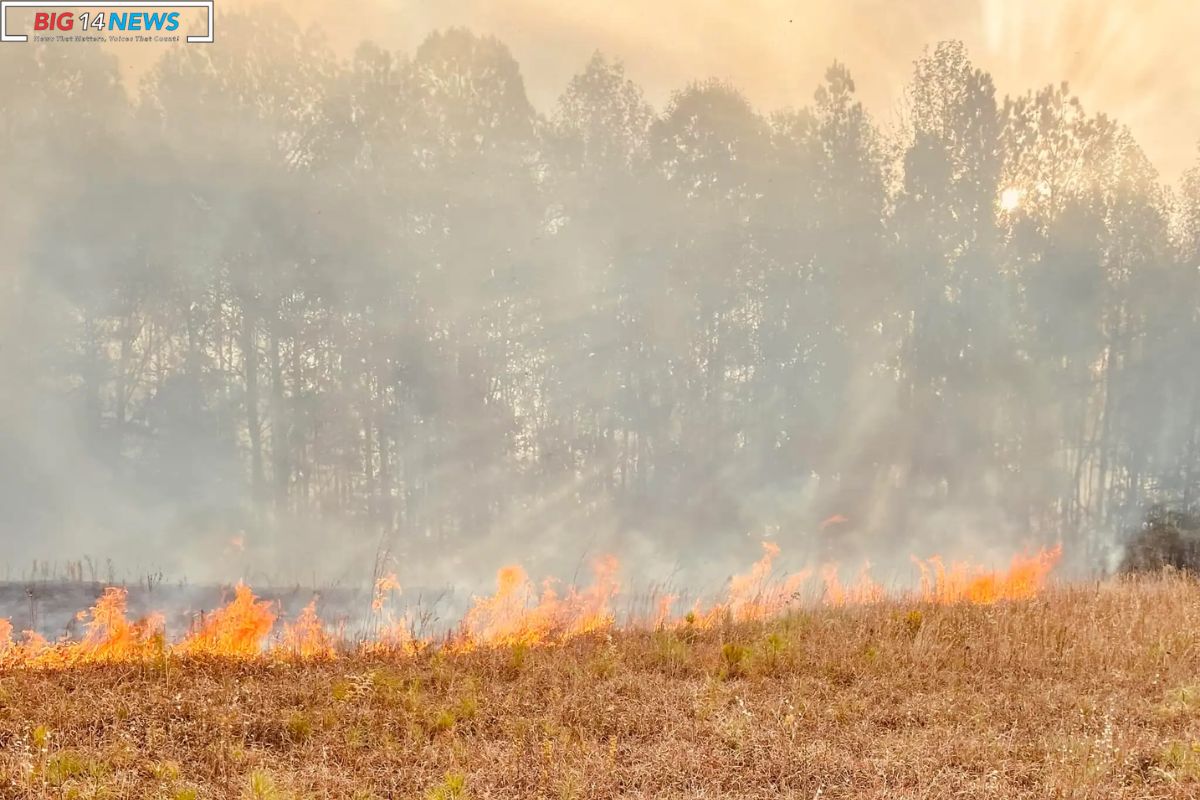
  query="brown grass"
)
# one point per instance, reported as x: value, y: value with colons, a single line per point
x: 1089, y: 692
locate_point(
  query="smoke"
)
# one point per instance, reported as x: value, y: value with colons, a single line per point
x: 293, y: 310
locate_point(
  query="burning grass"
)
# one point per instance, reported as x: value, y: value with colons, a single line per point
x: 517, y: 614
x: 1078, y: 691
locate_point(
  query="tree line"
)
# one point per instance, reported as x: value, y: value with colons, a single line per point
x: 384, y: 301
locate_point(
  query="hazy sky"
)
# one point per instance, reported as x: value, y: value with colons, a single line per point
x: 1134, y: 59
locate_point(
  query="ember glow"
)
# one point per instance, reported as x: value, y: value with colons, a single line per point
x: 518, y: 613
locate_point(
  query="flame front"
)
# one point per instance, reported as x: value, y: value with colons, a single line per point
x: 516, y: 614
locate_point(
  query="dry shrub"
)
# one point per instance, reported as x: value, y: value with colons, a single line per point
x: 1166, y: 538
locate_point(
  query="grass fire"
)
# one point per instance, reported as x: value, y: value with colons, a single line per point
x: 518, y: 614
x: 1001, y: 684
x: 598, y: 399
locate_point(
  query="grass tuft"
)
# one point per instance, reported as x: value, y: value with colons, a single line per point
x: 452, y: 787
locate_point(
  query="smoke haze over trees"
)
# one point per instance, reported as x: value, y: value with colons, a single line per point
x: 332, y: 306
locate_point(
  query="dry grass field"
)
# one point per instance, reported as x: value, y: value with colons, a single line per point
x: 1084, y: 691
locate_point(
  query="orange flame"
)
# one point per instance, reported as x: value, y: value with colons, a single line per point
x: 507, y: 618
x: 306, y: 637
x: 238, y: 629
x: 35, y: 651
x: 754, y: 595
x: 1025, y: 577
x: 663, y: 613
x: 515, y: 614
x: 384, y: 586
x: 863, y: 591
x: 108, y: 636
x: 392, y: 635
x: 588, y: 611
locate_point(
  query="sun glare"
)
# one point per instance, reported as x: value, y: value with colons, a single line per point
x: 1010, y: 199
